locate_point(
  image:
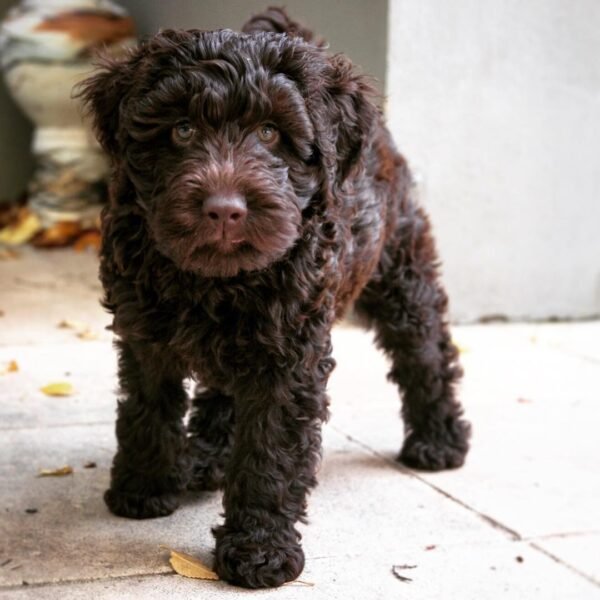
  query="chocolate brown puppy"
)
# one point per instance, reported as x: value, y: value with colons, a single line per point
x: 255, y: 195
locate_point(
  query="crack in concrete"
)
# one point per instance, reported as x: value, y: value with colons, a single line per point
x: 512, y: 534
x: 567, y: 565
x: 41, y: 584
x: 57, y: 426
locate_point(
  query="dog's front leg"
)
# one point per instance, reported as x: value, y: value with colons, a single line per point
x: 151, y: 464
x: 275, y: 455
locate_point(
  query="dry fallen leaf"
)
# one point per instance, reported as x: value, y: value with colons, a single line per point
x: 71, y: 324
x: 88, y: 335
x: 8, y: 254
x: 89, y: 239
x: 9, y: 367
x: 66, y: 470
x: 188, y: 566
x: 59, y: 234
x: 22, y: 230
x: 396, y: 571
x: 82, y: 330
x: 59, y: 388
x: 296, y: 582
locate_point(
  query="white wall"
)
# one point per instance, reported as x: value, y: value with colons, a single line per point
x: 496, y: 103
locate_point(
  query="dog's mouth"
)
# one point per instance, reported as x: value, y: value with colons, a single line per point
x: 226, y: 258
x: 229, y: 246
x: 230, y: 249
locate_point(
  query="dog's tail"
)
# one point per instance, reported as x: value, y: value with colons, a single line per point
x: 276, y: 20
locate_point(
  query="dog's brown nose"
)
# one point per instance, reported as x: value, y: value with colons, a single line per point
x: 228, y: 210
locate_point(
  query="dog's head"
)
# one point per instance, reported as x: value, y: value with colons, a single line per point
x: 229, y: 140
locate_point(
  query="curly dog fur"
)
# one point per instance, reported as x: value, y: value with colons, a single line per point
x: 255, y: 194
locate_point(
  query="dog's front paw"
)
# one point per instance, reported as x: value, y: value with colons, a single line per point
x: 136, y: 506
x: 437, y: 452
x: 257, y: 559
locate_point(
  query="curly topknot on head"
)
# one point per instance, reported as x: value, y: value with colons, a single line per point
x: 275, y: 19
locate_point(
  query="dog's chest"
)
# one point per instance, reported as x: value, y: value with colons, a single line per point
x: 229, y: 343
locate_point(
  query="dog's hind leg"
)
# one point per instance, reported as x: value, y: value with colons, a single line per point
x: 406, y: 305
x: 210, y: 431
x: 151, y: 465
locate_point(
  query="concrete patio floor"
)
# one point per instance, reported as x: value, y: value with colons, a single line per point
x: 521, y: 520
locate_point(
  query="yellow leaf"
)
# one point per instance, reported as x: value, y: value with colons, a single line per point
x: 61, y: 388
x: 82, y: 330
x: 188, y: 566
x: 10, y: 367
x: 66, y: 470
x: 88, y: 334
x: 21, y: 231
x: 296, y: 582
x: 76, y: 325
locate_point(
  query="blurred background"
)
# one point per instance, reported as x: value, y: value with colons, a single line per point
x: 497, y: 107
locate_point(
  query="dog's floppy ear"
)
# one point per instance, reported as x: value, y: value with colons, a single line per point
x: 355, y: 114
x: 102, y: 94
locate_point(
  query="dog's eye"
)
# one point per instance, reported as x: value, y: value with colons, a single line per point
x: 267, y: 134
x: 183, y: 131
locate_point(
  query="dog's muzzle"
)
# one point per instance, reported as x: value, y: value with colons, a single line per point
x: 225, y: 219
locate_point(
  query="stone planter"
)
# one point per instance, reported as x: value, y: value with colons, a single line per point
x: 46, y: 47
